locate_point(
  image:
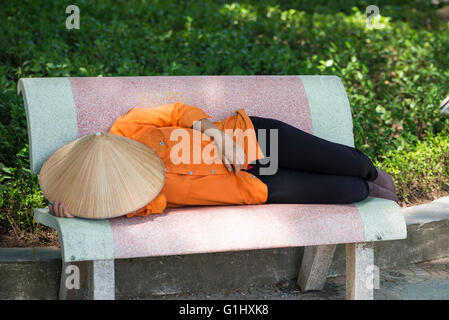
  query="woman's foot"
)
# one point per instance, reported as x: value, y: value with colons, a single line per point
x: 385, y: 180
x: 378, y: 191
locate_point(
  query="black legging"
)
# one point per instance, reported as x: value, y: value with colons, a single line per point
x: 311, y: 169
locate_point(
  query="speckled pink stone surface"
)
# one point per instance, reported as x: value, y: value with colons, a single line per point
x: 228, y: 228
x: 99, y: 101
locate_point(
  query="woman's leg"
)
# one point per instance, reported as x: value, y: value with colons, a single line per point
x: 293, y: 186
x: 302, y: 151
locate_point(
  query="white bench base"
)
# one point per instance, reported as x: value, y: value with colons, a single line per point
x: 96, y: 280
x: 360, y: 271
x: 314, y: 266
x: 312, y: 274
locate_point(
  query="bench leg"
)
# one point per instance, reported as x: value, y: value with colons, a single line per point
x: 102, y: 280
x: 73, y: 284
x: 314, y: 267
x: 360, y: 271
x: 63, y: 290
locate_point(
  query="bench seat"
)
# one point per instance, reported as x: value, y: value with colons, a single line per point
x: 207, y: 229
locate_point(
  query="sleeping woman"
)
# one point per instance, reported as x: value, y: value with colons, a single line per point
x: 295, y: 166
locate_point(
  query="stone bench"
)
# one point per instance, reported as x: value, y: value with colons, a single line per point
x: 60, y: 110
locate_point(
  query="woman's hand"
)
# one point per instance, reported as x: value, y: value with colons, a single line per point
x: 59, y: 210
x: 231, y: 153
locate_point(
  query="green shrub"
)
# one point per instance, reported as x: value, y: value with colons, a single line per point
x: 395, y: 76
x: 19, y: 194
x: 420, y: 171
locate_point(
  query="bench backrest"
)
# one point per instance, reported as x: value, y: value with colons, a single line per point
x: 60, y: 110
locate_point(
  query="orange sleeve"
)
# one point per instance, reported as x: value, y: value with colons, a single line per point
x: 167, y: 115
x: 157, y: 205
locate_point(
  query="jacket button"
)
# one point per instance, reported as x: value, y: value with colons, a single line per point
x: 253, y: 176
x: 161, y: 143
x: 190, y: 172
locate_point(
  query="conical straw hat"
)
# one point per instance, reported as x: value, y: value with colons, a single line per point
x: 102, y: 176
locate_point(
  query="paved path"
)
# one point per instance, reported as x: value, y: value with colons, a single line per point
x: 436, y: 210
x: 423, y: 281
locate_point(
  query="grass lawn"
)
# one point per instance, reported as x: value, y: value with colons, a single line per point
x: 395, y: 75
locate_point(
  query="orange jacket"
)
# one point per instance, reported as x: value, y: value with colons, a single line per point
x: 196, y: 182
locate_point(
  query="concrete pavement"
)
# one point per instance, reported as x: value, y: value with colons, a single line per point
x: 423, y: 281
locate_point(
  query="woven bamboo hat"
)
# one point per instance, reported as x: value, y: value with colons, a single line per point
x: 102, y: 176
